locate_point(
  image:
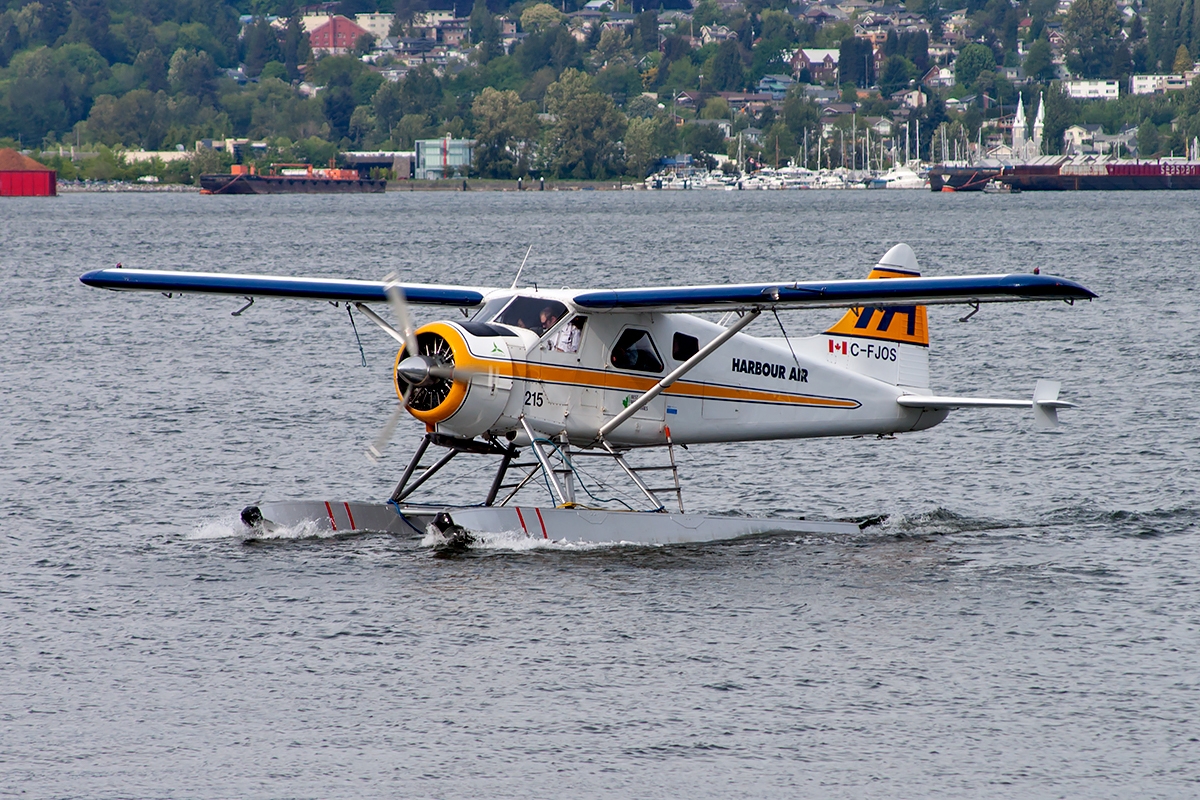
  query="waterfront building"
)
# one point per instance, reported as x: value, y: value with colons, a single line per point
x: 443, y: 158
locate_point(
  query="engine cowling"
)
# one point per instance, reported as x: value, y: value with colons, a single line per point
x: 462, y: 382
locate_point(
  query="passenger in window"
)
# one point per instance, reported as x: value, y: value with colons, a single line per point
x: 567, y: 339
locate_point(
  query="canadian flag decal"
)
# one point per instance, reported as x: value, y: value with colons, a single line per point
x: 838, y: 347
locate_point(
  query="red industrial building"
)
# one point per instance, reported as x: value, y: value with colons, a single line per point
x: 336, y: 37
x: 21, y: 176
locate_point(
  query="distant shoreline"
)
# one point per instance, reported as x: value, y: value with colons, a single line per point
x: 472, y: 185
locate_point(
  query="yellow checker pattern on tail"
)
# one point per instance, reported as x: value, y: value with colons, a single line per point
x: 905, y: 324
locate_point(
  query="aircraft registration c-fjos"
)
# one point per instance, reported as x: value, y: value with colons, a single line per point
x: 555, y: 377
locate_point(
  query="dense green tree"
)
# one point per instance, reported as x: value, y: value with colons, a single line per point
x: 485, y: 33
x: 645, y: 32
x: 973, y: 59
x: 338, y: 104
x: 1039, y: 63
x: 261, y: 45
x: 643, y: 106
x: 584, y: 141
x: 701, y: 140
x: 641, y: 152
x: 896, y: 73
x: 10, y: 37
x: 193, y: 74
x: 138, y: 119
x: 540, y: 17
x: 1183, y: 60
x: 1148, y: 139
x: 296, y: 47
x: 1093, y: 29
x: 151, y: 66
x: 728, y: 73
x: 90, y: 25
x: 505, y: 132
x: 856, y: 61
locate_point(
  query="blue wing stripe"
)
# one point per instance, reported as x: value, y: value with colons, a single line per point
x: 349, y: 291
x: 842, y: 293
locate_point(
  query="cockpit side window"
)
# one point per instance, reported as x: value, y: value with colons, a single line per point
x: 531, y: 313
x: 635, y: 350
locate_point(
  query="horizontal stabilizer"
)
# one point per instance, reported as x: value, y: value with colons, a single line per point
x: 331, y: 289
x: 1045, y: 402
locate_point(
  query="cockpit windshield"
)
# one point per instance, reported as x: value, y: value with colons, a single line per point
x: 489, y: 309
x: 531, y: 313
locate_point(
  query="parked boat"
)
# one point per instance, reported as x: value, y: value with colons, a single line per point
x: 900, y: 176
x: 996, y: 186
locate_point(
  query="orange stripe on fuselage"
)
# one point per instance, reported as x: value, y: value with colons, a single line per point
x: 616, y: 381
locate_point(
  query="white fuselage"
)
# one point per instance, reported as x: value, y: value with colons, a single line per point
x: 750, y: 388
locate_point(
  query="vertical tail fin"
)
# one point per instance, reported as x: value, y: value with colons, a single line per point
x: 862, y: 333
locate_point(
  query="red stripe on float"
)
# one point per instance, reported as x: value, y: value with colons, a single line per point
x: 522, y: 518
x: 538, y: 511
x: 329, y: 511
x: 350, y: 516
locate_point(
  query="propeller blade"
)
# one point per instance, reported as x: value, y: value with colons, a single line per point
x: 375, y: 451
x: 399, y: 306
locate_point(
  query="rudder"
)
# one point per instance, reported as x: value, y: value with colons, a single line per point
x: 905, y: 326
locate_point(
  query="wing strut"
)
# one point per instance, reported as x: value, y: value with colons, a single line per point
x: 677, y: 373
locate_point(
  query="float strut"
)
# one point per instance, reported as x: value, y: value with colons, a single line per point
x: 412, y: 465
x: 500, y: 473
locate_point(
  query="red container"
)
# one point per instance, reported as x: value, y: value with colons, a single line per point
x: 28, y: 183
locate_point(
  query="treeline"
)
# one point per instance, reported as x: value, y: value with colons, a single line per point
x: 161, y: 74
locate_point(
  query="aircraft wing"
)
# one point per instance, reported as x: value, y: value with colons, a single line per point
x: 332, y: 289
x: 968, y: 289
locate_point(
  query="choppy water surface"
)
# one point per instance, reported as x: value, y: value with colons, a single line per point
x: 1026, y: 623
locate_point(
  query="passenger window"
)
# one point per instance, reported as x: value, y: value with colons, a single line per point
x: 684, y: 347
x: 634, y: 350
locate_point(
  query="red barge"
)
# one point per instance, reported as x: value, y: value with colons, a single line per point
x: 1057, y: 174
x: 289, y: 179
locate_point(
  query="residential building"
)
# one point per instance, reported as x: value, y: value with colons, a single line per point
x: 1078, y: 138
x: 822, y: 64
x: 1157, y: 84
x: 313, y: 20
x: 776, y: 85
x: 715, y: 33
x: 378, y: 25
x: 911, y: 98
x: 750, y: 102
x: 938, y: 77
x: 1092, y: 90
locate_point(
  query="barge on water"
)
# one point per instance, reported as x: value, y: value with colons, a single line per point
x: 1058, y: 173
x: 963, y: 177
x: 289, y: 179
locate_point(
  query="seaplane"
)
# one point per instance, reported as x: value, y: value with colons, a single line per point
x: 546, y: 381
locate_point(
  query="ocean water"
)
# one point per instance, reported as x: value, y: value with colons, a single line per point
x: 1026, y: 623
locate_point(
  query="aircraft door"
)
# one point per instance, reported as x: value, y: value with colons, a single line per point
x: 633, y: 366
x: 562, y: 389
